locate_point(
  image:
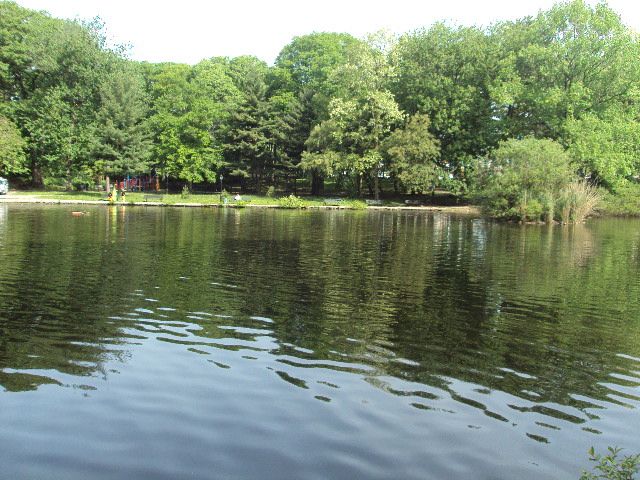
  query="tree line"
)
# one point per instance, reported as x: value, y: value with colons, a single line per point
x: 404, y: 114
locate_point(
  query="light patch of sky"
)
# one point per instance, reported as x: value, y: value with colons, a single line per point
x: 190, y: 30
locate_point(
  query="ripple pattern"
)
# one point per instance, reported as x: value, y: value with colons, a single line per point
x: 159, y: 343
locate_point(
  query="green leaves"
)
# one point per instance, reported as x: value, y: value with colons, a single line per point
x: 413, y: 154
x: 124, y: 142
x: 189, y: 105
x: 611, y: 466
x: 606, y: 149
x: 522, y: 179
x: 351, y: 140
x: 448, y: 74
x: 12, y: 157
x: 308, y: 62
x: 570, y: 61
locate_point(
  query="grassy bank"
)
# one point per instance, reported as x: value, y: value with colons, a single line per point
x: 622, y: 204
x: 196, y: 199
x: 193, y: 199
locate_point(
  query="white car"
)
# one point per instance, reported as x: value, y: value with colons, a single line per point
x: 4, y: 186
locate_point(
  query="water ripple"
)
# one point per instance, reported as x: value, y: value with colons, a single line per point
x: 388, y: 345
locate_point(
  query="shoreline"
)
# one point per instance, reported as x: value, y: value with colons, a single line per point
x: 25, y: 199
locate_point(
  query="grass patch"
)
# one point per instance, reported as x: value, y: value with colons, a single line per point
x: 59, y: 195
x: 290, y: 201
x: 214, y: 199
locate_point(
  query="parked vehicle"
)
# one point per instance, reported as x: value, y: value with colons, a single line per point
x: 4, y: 186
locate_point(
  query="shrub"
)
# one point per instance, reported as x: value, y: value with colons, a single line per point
x: 577, y: 201
x: 611, y: 467
x: 624, y: 201
x: 185, y: 192
x: 531, y: 210
x: 523, y: 179
x: 292, y: 202
x: 548, y: 207
x: 55, y: 184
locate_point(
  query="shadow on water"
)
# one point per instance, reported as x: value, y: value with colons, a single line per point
x: 519, y: 325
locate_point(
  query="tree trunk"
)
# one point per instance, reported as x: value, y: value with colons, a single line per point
x: 317, y: 183
x: 259, y: 182
x: 36, y: 175
x: 369, y: 185
x: 376, y: 187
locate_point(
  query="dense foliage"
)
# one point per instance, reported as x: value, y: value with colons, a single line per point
x: 406, y: 114
x: 522, y: 179
x: 12, y: 158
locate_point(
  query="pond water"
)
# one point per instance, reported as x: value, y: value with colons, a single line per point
x: 218, y: 343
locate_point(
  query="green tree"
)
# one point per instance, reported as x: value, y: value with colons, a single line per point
x: 56, y: 94
x: 258, y: 133
x: 189, y: 104
x: 447, y: 73
x: 284, y: 125
x: 123, y: 138
x: 12, y: 157
x: 305, y: 67
x: 351, y: 140
x: 18, y: 35
x: 612, y: 466
x: 413, y: 153
x: 308, y: 62
x: 246, y: 144
x: 570, y: 61
x: 360, y: 118
x: 606, y: 149
x: 60, y: 139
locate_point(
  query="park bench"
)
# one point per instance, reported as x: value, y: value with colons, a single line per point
x: 373, y: 202
x: 153, y: 197
x: 413, y: 203
x: 332, y: 201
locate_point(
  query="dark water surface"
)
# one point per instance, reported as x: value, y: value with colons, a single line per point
x: 203, y: 343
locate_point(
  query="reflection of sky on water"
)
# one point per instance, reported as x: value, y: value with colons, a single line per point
x: 410, y: 341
